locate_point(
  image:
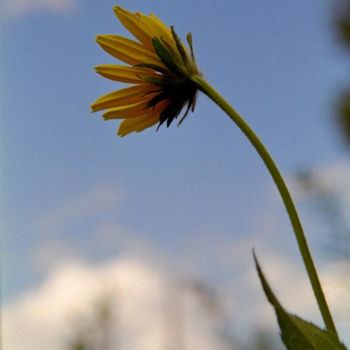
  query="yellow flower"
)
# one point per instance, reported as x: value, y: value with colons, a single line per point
x: 160, y: 67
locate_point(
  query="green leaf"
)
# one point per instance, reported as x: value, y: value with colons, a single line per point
x: 296, y: 333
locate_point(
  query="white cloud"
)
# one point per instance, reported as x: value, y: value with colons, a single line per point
x: 15, y: 8
x: 152, y: 306
x: 145, y: 311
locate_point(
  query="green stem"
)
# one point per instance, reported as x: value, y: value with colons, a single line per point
x: 283, y: 190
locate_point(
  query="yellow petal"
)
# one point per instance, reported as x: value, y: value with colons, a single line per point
x: 143, y: 121
x: 124, y: 97
x: 128, y: 111
x: 124, y: 74
x: 137, y: 124
x: 135, y: 26
x: 134, y: 110
x: 127, y: 50
x: 160, y: 30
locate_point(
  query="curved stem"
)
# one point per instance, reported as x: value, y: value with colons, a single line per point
x: 283, y: 190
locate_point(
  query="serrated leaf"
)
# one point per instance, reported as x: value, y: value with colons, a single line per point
x: 296, y: 333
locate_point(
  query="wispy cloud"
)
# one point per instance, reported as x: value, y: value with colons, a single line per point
x: 15, y: 8
x: 79, y: 207
x: 86, y: 215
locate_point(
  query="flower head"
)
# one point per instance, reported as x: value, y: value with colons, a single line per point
x: 159, y: 67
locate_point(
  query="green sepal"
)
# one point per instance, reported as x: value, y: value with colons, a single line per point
x: 156, y: 99
x: 296, y: 333
x: 185, y: 114
x: 191, y: 104
x: 190, y: 44
x: 165, y: 56
x: 153, y: 80
x: 179, y: 45
x: 170, y: 113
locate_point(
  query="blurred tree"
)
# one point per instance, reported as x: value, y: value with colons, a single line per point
x: 212, y: 307
x: 183, y: 299
x: 96, y: 332
x: 342, y: 29
x: 326, y: 201
x: 78, y: 344
x: 263, y: 341
x: 328, y: 204
x: 342, y: 22
x: 343, y: 114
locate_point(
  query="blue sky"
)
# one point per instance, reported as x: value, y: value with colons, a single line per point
x: 179, y: 190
